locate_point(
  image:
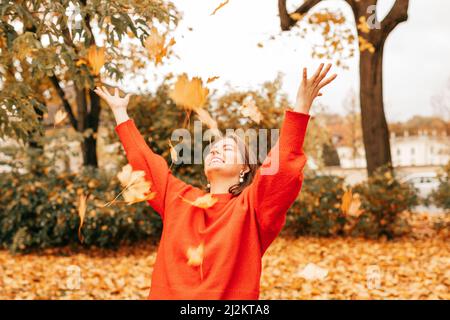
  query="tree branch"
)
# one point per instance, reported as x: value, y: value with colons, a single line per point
x: 398, y: 14
x: 65, y: 102
x: 286, y: 21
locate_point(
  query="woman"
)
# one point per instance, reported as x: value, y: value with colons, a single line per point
x: 228, y: 239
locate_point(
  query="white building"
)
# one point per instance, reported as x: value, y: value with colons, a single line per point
x: 423, y: 149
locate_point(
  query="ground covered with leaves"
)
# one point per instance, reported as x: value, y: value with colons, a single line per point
x: 302, y: 268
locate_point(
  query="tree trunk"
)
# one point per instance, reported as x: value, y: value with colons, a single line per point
x: 373, y: 119
x: 88, y: 119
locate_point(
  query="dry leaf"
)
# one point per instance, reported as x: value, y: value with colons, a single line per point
x: 136, y: 188
x: 250, y: 110
x: 211, y: 79
x: 155, y: 45
x: 313, y: 272
x: 219, y: 7
x: 189, y: 94
x: 203, y: 202
x: 195, y: 255
x: 173, y: 152
x: 351, y: 204
x: 60, y: 116
x: 81, y: 213
x: 96, y: 58
x: 296, y: 16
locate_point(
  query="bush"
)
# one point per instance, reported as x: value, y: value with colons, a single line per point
x: 384, y: 202
x: 441, y: 196
x: 39, y: 210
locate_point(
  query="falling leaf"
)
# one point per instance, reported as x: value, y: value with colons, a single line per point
x: 136, y: 188
x: 220, y: 6
x: 96, y: 58
x: 313, y: 272
x: 81, y: 213
x: 351, y: 203
x: 189, y: 93
x: 346, y: 200
x: 195, y: 255
x: 296, y: 16
x: 203, y: 202
x: 173, y: 152
x: 155, y: 45
x: 249, y: 109
x: 60, y: 116
x: 260, y: 45
x: 211, y: 79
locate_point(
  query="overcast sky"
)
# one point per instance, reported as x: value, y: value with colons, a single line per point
x: 416, y: 55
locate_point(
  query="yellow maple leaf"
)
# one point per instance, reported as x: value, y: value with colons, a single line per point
x: 96, y: 58
x: 189, y: 94
x: 155, y: 45
x: 365, y: 45
x: 203, y: 202
x: 250, y: 110
x: 136, y: 188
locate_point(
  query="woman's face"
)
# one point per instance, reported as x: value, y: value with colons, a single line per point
x: 224, y: 158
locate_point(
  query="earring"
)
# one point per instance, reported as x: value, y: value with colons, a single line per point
x: 208, y: 185
x: 241, y: 175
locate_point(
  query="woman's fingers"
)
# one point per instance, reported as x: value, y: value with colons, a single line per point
x: 106, y: 91
x: 305, y: 76
x: 116, y: 92
x: 100, y: 93
x: 323, y: 74
x: 316, y: 74
x: 327, y: 81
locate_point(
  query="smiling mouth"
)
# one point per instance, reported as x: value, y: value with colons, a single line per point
x: 216, y: 160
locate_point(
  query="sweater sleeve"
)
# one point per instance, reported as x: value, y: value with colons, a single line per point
x: 141, y: 157
x: 279, y: 179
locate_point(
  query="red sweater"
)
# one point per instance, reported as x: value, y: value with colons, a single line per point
x: 236, y: 231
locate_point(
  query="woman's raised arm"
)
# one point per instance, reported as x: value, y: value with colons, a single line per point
x: 139, y: 154
x: 278, y: 181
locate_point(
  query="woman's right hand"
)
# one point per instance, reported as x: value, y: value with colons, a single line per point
x: 115, y: 102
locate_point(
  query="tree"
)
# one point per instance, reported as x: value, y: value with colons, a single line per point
x: 372, y: 35
x: 49, y: 47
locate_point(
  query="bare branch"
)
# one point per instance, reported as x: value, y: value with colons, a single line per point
x: 398, y: 14
x: 65, y: 102
x: 285, y: 20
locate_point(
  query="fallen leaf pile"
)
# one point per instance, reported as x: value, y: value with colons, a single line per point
x: 292, y: 269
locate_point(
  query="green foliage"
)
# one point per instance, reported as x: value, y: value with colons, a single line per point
x: 43, y: 45
x: 441, y: 196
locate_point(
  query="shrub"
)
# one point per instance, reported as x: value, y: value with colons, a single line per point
x: 441, y: 196
x: 384, y: 203
x: 39, y: 210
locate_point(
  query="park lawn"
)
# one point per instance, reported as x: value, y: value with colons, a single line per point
x: 406, y: 268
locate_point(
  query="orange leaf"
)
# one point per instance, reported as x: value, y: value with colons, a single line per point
x: 81, y: 213
x: 189, y: 93
x: 96, y: 58
x: 203, y: 202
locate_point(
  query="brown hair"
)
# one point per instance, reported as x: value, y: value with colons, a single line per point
x: 249, y: 160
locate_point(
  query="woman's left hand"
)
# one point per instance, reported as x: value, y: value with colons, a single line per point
x: 310, y: 88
